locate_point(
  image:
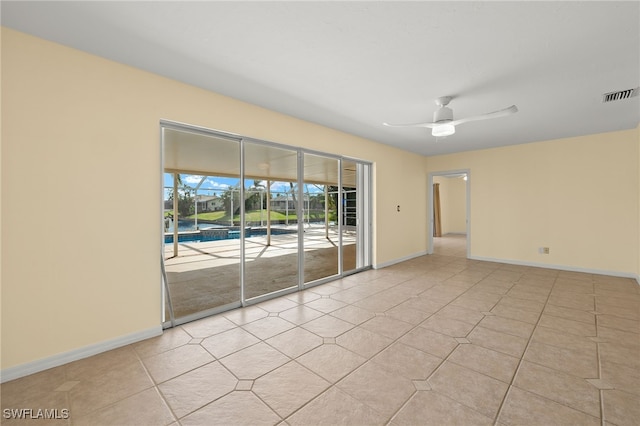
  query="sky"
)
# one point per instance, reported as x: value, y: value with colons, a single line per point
x: 218, y: 184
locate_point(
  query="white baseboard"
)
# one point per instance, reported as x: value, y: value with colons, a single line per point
x: 559, y: 267
x: 22, y: 370
x: 402, y: 259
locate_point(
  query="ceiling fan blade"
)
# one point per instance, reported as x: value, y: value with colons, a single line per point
x: 495, y: 114
x: 427, y: 125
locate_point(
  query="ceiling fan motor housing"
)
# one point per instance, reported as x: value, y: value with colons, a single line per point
x: 442, y: 115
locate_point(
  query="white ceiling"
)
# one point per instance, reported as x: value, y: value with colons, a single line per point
x: 354, y: 65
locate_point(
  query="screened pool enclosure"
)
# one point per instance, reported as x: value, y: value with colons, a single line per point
x: 246, y: 220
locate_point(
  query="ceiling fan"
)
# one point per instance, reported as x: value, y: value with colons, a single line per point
x: 443, y: 123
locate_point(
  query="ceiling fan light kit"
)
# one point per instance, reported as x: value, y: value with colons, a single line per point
x: 442, y: 130
x: 443, y: 123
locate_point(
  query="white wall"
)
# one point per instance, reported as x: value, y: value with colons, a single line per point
x: 81, y: 178
x: 577, y: 196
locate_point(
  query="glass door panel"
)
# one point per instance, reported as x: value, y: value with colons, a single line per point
x: 321, y: 237
x: 271, y: 202
x: 349, y: 214
x: 201, y: 241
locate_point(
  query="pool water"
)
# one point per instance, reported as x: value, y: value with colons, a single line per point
x: 223, y: 234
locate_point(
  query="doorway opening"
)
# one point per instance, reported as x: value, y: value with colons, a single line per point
x: 449, y: 212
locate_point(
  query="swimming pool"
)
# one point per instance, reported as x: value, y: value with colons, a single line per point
x: 215, y: 234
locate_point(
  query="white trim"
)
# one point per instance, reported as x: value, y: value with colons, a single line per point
x: 559, y: 267
x: 22, y: 370
x: 402, y: 259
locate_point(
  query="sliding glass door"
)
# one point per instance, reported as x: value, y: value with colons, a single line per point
x: 271, y: 217
x: 321, y: 224
x: 201, y: 252
x: 247, y: 220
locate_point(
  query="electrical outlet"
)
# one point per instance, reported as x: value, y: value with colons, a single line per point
x: 543, y: 250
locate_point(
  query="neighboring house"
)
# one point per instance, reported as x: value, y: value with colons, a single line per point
x: 209, y: 203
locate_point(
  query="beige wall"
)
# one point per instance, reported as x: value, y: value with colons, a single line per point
x: 81, y: 191
x: 577, y: 196
x: 453, y: 204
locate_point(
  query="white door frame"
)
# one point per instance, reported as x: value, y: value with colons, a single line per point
x: 430, y: 207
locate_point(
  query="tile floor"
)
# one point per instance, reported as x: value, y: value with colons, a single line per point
x: 436, y: 340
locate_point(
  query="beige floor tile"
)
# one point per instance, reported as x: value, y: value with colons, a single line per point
x: 383, y: 363
x: 208, y: 326
x: 254, y: 361
x: 300, y: 314
x: 101, y: 364
x: 383, y: 391
x: 387, y: 326
x: 429, y: 341
x: 326, y: 305
x: 501, y: 342
x: 99, y: 391
x: 246, y: 315
x: 619, y: 337
x: 449, y: 326
x: 147, y: 408
x: 195, y: 389
x: 229, y: 342
x: 528, y: 291
x: 170, y: 364
x: 363, y: 342
x: 407, y: 362
x: 521, y: 304
x: 277, y: 305
x: 486, y: 361
x: 561, y: 387
x: 622, y: 377
x: 33, y: 389
x: 625, y: 301
x: 431, y: 408
x: 289, y: 387
x: 353, y: 314
x: 550, y: 336
x: 423, y: 304
x: 170, y: 339
x: 610, y: 321
x: 351, y: 295
x: 14, y: 403
x: 525, y: 408
x: 332, y: 362
x: 295, y: 342
x: 473, y: 304
x: 408, y: 315
x: 516, y: 314
x: 328, y: 326
x: 336, y: 408
x: 477, y: 391
x: 508, y: 326
x: 378, y: 302
x: 461, y: 314
x: 573, y: 301
x: 237, y: 408
x: 268, y: 327
x: 568, y: 326
x: 303, y: 296
x: 571, y: 314
x: 580, y: 363
x: 610, y: 352
x: 621, y: 408
x: 617, y: 311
